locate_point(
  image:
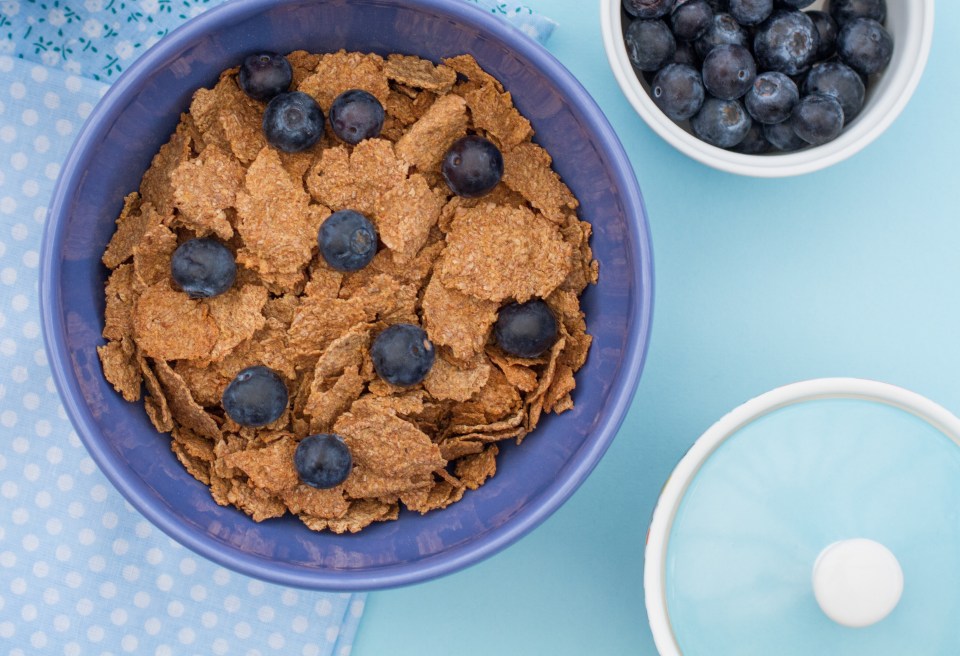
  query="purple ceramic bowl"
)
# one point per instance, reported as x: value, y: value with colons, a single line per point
x: 115, y: 147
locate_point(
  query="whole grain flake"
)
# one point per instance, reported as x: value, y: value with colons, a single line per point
x: 446, y: 264
x: 499, y: 253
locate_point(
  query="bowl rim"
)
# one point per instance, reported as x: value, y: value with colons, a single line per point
x: 862, y: 133
x: 675, y: 489
x: 134, y: 490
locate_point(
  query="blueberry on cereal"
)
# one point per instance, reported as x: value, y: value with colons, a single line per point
x: 472, y: 167
x: 292, y: 122
x: 265, y: 74
x: 348, y: 240
x: 323, y: 461
x: 203, y: 268
x: 255, y: 397
x: 356, y: 115
x: 526, y: 330
x: 402, y: 354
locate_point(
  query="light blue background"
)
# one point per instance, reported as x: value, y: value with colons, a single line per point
x: 853, y: 271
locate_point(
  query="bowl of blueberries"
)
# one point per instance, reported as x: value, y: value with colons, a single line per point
x: 768, y: 88
x: 122, y: 135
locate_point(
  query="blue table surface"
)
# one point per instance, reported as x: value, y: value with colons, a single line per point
x: 852, y: 271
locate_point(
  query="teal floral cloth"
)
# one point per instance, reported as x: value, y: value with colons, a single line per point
x: 99, y: 38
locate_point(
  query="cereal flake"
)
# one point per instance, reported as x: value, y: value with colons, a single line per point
x: 168, y: 325
x: 498, y: 253
x: 278, y: 231
x: 204, y: 188
x: 405, y: 214
x: 425, y: 143
x: 456, y: 320
x: 526, y: 170
x: 341, y: 71
x: 420, y: 73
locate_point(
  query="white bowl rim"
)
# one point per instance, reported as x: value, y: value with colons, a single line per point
x: 868, y: 126
x: 675, y: 489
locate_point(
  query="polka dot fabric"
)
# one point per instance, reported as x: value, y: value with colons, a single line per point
x: 81, y: 571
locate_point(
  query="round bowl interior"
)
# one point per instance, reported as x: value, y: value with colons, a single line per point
x: 115, y: 147
x: 910, y: 22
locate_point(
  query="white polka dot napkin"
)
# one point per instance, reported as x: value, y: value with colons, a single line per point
x: 81, y: 571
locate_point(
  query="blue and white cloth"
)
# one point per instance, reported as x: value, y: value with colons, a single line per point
x: 81, y: 571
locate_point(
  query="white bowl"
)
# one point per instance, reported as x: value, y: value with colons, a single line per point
x: 656, y: 568
x: 910, y: 22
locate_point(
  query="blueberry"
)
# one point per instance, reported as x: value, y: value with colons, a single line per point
x: 691, y: 19
x: 772, y: 97
x: 525, y: 330
x: 648, y: 8
x: 323, y: 461
x: 796, y: 4
x: 754, y: 143
x: 834, y: 78
x: 347, y: 240
x: 751, y: 12
x: 255, y: 397
x: 402, y: 354
x: 844, y: 11
x: 729, y: 71
x: 203, y: 268
x: 782, y: 137
x: 678, y: 91
x: 722, y: 29
x: 472, y: 166
x: 264, y: 75
x: 650, y: 44
x: 356, y: 115
x: 687, y: 54
x: 722, y: 123
x: 817, y: 119
x: 292, y: 122
x: 786, y: 42
x: 865, y: 45
x: 827, y: 28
